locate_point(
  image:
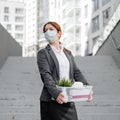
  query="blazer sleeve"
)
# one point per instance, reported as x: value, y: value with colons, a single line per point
x: 78, y: 76
x: 46, y: 76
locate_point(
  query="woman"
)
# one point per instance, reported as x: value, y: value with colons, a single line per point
x: 56, y: 62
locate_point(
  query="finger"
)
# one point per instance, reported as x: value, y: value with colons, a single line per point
x: 62, y: 95
x: 59, y: 101
x: 62, y: 98
x: 90, y: 98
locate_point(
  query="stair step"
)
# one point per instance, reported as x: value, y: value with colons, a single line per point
x: 99, y: 116
x: 20, y: 116
x: 34, y: 108
x: 20, y: 89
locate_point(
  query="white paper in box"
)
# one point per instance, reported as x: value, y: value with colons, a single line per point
x: 76, y: 94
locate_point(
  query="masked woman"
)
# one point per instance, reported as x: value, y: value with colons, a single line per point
x: 55, y: 62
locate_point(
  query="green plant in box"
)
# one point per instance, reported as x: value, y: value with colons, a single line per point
x: 65, y: 82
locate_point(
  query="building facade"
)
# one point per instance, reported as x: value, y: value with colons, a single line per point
x: 43, y: 17
x: 71, y: 24
x: 101, y: 15
x: 49, y: 10
x: 32, y: 26
x: 38, y: 12
x: 84, y: 21
x: 12, y: 17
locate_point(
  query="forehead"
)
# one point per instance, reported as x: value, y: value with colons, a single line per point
x: 49, y: 26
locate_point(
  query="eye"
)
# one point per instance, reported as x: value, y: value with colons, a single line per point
x: 51, y: 29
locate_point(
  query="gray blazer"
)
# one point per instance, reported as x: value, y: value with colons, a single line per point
x: 49, y: 71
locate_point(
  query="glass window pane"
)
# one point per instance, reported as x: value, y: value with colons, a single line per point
x: 95, y: 24
x: 96, y: 4
x: 104, y: 2
x: 19, y: 10
x: 8, y: 26
x: 6, y: 18
x: 106, y: 16
x: 6, y: 9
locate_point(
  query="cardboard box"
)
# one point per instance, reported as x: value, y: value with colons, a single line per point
x: 76, y: 94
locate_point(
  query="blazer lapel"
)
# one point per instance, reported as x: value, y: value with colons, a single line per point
x: 50, y: 51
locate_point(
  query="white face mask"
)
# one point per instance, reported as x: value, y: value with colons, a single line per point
x: 51, y: 35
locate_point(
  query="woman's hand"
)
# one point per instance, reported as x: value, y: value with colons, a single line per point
x: 90, y: 97
x: 61, y: 98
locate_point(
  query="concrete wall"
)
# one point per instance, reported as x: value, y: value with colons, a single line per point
x: 109, y: 47
x: 8, y: 46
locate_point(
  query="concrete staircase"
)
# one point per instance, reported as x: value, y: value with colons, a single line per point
x: 104, y: 75
x: 20, y: 88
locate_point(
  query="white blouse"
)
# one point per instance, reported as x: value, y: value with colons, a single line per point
x: 64, y: 65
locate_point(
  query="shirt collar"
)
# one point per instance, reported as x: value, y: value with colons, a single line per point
x: 54, y: 49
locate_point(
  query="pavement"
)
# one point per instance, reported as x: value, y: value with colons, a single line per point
x: 20, y: 88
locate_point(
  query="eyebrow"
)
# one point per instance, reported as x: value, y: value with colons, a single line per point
x: 50, y: 28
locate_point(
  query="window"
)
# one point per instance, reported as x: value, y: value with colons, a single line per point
x: 95, y: 24
x: 8, y: 26
x: 86, y: 10
x: 106, y: 16
x: 78, y: 15
x: 96, y: 5
x: 6, y: 18
x: 86, y: 29
x: 19, y: 27
x: 6, y: 9
x: 104, y: 2
x: 78, y: 32
x: 19, y: 10
x: 19, y: 36
x: 19, y: 19
x: 77, y: 47
x: 95, y: 39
